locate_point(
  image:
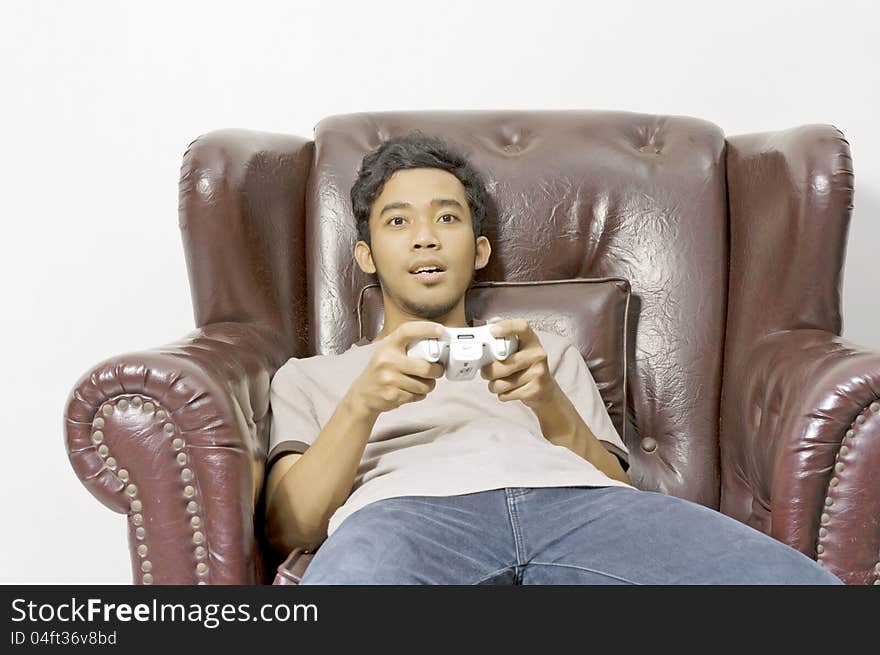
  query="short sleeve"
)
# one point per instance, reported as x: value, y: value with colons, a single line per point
x: 574, y: 378
x: 294, y: 425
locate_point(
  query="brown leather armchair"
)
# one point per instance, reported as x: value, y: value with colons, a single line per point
x: 743, y: 395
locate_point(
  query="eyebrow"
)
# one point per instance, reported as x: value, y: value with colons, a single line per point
x: 436, y: 202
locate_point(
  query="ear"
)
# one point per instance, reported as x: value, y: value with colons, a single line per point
x: 364, y: 257
x: 483, y: 252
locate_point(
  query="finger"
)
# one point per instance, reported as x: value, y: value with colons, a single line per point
x: 519, y: 393
x: 414, y: 385
x: 516, y: 362
x: 420, y: 367
x: 413, y: 330
x: 517, y: 327
x: 510, y: 382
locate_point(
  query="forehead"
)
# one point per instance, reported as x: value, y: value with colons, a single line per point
x: 419, y: 186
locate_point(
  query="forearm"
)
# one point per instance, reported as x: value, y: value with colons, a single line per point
x: 320, y: 481
x: 561, y: 425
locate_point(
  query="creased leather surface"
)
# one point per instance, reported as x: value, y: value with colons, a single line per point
x: 578, y: 194
x: 804, y: 389
x: 242, y: 221
x: 790, y: 198
x: 213, y: 385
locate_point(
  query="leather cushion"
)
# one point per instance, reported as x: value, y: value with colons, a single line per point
x: 591, y: 312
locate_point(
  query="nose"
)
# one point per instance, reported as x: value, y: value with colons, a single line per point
x: 424, y: 236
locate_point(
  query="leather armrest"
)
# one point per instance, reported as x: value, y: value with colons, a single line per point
x: 809, y: 447
x: 176, y: 437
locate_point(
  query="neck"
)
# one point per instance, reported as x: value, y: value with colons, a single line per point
x: 393, y: 320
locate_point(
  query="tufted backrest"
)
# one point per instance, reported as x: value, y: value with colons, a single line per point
x: 576, y: 194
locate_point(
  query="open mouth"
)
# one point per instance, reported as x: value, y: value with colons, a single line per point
x: 429, y: 274
x: 428, y: 271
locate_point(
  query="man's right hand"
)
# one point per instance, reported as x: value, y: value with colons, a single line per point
x: 392, y: 378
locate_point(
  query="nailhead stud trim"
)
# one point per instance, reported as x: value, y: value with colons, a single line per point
x: 136, y: 516
x: 840, y: 467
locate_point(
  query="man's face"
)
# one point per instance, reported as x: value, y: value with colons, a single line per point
x: 422, y: 214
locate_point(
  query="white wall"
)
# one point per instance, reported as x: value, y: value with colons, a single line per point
x: 100, y: 100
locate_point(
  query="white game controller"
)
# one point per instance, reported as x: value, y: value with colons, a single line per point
x: 463, y: 351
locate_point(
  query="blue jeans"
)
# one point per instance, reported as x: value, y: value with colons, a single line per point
x: 553, y: 536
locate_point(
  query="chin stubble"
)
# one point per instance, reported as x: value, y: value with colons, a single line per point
x: 428, y: 312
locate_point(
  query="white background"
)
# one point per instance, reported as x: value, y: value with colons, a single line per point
x: 100, y: 100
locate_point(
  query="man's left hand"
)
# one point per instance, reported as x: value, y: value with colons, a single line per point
x: 524, y: 375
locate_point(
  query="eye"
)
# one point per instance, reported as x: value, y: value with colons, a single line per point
x: 394, y: 219
x: 452, y: 216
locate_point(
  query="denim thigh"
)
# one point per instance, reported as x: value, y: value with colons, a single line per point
x: 448, y: 540
x: 621, y: 535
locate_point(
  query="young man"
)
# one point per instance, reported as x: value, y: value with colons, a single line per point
x: 514, y: 477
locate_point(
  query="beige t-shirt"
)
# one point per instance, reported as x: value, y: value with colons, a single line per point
x: 459, y: 439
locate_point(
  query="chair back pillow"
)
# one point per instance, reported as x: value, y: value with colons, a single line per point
x: 591, y: 312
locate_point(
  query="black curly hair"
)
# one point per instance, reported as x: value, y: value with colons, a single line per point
x: 416, y: 150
